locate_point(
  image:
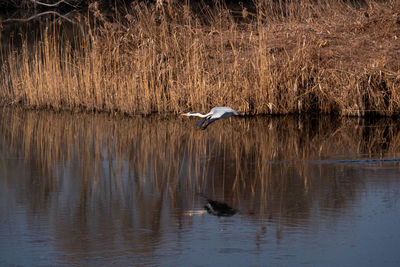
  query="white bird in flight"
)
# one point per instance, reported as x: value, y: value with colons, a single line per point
x: 214, y: 114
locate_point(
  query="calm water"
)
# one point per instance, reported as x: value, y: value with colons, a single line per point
x: 80, y: 189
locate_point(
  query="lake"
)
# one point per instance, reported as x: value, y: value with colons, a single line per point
x: 93, y: 189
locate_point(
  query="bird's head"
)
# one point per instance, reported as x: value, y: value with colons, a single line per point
x: 187, y: 114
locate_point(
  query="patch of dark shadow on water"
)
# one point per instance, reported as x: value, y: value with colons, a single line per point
x: 278, y: 162
x: 355, y: 161
x: 334, y: 161
x: 232, y: 250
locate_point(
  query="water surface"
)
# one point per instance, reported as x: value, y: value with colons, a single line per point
x: 92, y: 189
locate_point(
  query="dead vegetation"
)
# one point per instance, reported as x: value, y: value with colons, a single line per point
x: 324, y: 56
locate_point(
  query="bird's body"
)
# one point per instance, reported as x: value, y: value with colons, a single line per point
x: 214, y: 114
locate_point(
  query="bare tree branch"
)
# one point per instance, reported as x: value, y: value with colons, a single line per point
x: 41, y: 14
x: 47, y: 13
x: 53, y: 5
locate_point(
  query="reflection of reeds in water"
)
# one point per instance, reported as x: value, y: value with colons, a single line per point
x: 168, y: 155
x: 141, y: 169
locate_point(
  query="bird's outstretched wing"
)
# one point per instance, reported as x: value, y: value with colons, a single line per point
x: 208, y: 123
x: 200, y: 123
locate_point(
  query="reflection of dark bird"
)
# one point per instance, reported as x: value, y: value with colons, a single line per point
x: 218, y: 208
x: 214, y: 114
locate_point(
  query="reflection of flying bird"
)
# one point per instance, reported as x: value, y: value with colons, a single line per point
x: 214, y: 114
x: 217, y: 208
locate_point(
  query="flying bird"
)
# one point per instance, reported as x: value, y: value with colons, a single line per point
x: 214, y: 114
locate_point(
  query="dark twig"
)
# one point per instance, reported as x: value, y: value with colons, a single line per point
x: 46, y: 13
x: 53, y: 5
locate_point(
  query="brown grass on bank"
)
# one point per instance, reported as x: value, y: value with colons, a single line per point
x: 307, y: 56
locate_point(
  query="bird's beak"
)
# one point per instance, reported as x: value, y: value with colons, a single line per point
x: 184, y: 114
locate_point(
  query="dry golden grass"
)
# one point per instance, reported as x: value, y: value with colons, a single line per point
x: 307, y: 56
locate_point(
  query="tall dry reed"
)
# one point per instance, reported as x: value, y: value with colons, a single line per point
x: 323, y: 56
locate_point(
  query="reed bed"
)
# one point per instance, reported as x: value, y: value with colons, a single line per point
x: 325, y: 56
